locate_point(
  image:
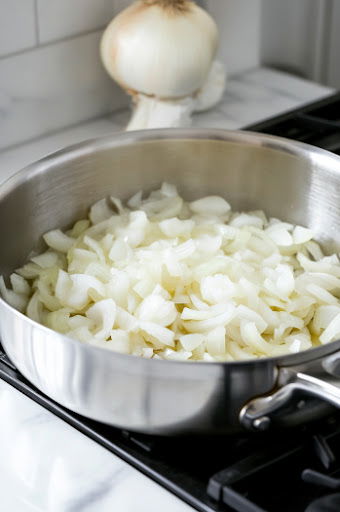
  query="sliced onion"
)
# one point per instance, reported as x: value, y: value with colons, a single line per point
x: 57, y: 240
x: 166, y: 279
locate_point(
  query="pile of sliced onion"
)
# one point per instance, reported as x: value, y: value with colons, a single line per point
x: 164, y: 278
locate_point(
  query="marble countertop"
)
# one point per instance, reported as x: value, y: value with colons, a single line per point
x: 45, y: 464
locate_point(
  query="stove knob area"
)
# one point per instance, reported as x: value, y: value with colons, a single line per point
x: 329, y: 503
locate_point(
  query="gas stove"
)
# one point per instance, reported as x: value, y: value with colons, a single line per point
x: 295, y: 471
x: 317, y: 123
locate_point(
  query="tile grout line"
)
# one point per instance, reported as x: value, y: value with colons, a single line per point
x: 36, y: 23
x: 330, y: 7
x: 51, y: 43
x: 323, y: 16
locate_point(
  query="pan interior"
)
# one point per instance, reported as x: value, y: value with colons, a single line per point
x: 295, y: 185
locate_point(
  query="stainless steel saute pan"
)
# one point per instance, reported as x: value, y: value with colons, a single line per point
x: 295, y: 182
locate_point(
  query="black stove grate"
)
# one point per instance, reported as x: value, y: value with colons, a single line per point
x: 316, y: 123
x: 262, y: 473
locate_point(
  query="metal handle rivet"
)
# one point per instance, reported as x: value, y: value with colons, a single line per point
x: 262, y: 423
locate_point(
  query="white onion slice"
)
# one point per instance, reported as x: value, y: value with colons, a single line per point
x: 163, y: 278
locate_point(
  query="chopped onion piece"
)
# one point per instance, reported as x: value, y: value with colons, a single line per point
x: 161, y: 334
x: 302, y: 235
x: 216, y: 289
x: 19, y: 284
x: 162, y: 278
x: 324, y: 316
x: 168, y: 190
x: 17, y: 300
x: 74, y: 290
x: 34, y: 308
x: 100, y: 211
x: 280, y: 236
x: 214, y: 205
x: 175, y: 227
x: 103, y: 313
x: 332, y: 332
x: 191, y: 341
x: 46, y: 260
x: 179, y: 355
x: 57, y: 240
x: 216, y: 341
x: 155, y: 308
x: 244, y: 219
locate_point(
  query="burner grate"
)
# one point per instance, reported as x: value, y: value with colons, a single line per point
x: 317, y: 124
x: 287, y: 476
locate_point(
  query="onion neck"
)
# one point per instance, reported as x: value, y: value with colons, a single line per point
x: 175, y: 5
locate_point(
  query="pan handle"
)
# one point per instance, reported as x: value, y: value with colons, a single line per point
x: 257, y: 414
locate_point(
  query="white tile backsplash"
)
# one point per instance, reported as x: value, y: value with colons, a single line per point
x: 333, y: 68
x: 58, y: 19
x: 239, y: 23
x: 53, y: 87
x: 17, y: 25
x: 50, y: 70
x: 289, y: 34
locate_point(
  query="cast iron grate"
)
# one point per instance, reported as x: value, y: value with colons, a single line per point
x: 316, y: 123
